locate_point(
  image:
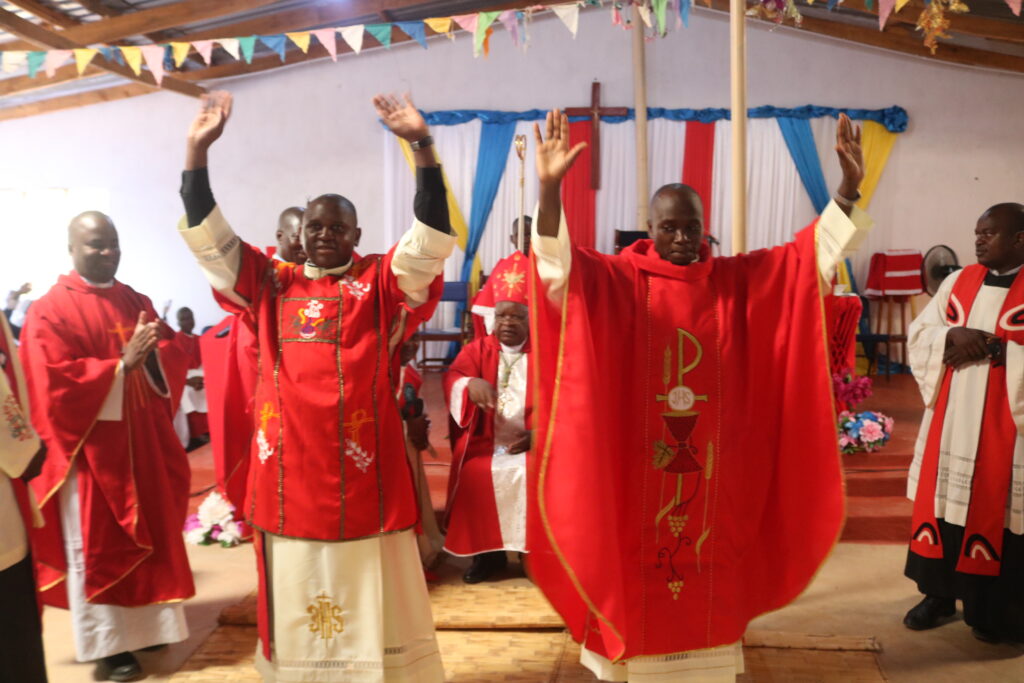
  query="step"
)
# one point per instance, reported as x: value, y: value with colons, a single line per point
x: 876, y: 484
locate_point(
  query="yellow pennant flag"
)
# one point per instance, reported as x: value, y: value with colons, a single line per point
x: 900, y: 4
x: 132, y: 57
x: 180, y: 52
x: 440, y: 24
x: 83, y: 56
x: 300, y: 39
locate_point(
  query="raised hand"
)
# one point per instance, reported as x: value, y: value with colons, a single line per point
x: 404, y: 120
x: 553, y: 156
x: 207, y: 126
x: 851, y: 157
x: 144, y: 340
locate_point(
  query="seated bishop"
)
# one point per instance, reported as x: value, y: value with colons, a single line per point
x: 486, y: 388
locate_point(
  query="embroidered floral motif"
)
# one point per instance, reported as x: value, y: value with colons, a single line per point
x: 325, y: 618
x: 16, y: 423
x: 265, y: 450
x: 354, y: 287
x: 359, y: 456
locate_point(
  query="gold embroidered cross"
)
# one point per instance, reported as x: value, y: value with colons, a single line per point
x: 266, y: 415
x: 681, y: 397
x: 119, y: 330
x: 359, y: 418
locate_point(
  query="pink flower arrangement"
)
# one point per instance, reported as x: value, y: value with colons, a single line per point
x: 850, y: 389
x: 863, y: 432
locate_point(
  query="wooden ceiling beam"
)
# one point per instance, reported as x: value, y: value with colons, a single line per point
x: 118, y: 92
x: 148, y: 21
x: 966, y: 24
x: 50, y: 40
x: 51, y: 16
x: 896, y: 40
x: 18, y: 85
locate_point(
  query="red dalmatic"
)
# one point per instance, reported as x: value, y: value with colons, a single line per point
x: 133, y: 476
x: 686, y: 477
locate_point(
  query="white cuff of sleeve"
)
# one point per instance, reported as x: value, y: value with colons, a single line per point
x: 554, y: 256
x: 112, y: 409
x: 419, y: 258
x: 457, y: 398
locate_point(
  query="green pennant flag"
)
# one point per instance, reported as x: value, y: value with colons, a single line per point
x: 248, y: 45
x: 659, y: 13
x: 382, y: 32
x: 35, y: 62
x: 483, y: 22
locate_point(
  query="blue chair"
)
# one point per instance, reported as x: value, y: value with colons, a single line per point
x: 457, y: 292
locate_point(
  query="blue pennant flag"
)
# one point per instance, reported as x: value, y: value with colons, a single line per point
x: 415, y: 30
x: 684, y: 11
x: 276, y: 43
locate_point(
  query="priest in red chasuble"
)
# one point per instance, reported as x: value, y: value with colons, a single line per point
x: 191, y: 421
x: 967, y: 477
x: 104, y: 376
x: 482, y: 307
x: 331, y: 492
x: 686, y: 476
x: 486, y: 390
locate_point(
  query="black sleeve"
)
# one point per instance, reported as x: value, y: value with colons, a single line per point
x: 197, y: 195
x: 431, y: 203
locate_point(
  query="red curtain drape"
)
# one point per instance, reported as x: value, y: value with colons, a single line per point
x: 578, y: 198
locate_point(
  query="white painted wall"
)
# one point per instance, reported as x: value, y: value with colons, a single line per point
x: 311, y: 129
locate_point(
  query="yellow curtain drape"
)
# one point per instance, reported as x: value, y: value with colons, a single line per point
x: 455, y: 217
x: 877, y: 142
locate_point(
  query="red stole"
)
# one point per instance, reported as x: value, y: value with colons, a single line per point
x: 480, y: 358
x: 133, y: 475
x: 686, y: 477
x: 983, y: 535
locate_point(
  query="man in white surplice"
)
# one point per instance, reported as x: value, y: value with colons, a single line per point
x: 486, y: 388
x: 967, y: 477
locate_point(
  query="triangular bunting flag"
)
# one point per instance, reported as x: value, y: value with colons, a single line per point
x: 900, y: 4
x: 466, y: 21
x: 1014, y: 6
x: 180, y: 52
x: 870, y: 4
x: 509, y: 20
x: 204, y: 48
x: 54, y: 59
x: 353, y: 35
x: 301, y: 40
x: 328, y: 37
x: 132, y: 57
x: 616, y: 15
x: 645, y: 14
x: 276, y: 42
x: 35, y: 61
x: 570, y: 16
x: 483, y: 31
x: 884, y: 10
x: 684, y: 11
x: 415, y: 30
x: 832, y: 4
x: 659, y: 13
x: 248, y: 46
x: 83, y: 56
x: 230, y: 46
x: 112, y: 54
x: 440, y: 25
x: 154, y: 56
x: 382, y: 32
x: 14, y: 60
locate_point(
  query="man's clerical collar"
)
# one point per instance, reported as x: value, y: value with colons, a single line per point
x: 315, y: 272
x: 994, y: 279
x: 1012, y: 271
x: 512, y: 349
x: 97, y: 285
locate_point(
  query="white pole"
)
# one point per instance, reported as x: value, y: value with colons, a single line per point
x: 643, y: 190
x: 738, y: 63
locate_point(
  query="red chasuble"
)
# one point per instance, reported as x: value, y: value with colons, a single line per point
x: 686, y: 477
x: 133, y: 475
x: 190, y: 346
x: 471, y: 516
x: 229, y: 375
x: 329, y: 458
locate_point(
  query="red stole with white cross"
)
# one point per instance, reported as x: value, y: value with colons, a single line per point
x: 983, y: 535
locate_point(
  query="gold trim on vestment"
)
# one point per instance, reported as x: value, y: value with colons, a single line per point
x: 336, y: 540
x: 341, y: 407
x: 280, y: 429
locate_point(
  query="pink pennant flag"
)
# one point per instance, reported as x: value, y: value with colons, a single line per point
x: 154, y: 57
x: 511, y: 24
x: 467, y: 22
x: 204, y: 48
x: 54, y: 60
x: 885, y: 8
x: 328, y: 37
x: 616, y: 16
x: 1014, y: 6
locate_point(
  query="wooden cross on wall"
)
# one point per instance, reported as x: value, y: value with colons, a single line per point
x: 594, y: 112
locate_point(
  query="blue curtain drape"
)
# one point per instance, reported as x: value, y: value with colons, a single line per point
x: 495, y: 141
x: 800, y: 141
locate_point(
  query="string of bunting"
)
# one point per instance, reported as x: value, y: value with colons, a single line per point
x: 657, y: 15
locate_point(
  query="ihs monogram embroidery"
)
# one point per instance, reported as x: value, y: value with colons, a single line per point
x: 354, y: 287
x: 325, y: 617
x: 265, y: 449
x: 17, y: 426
